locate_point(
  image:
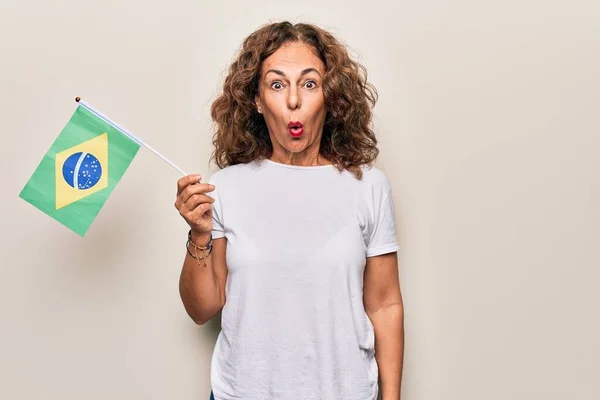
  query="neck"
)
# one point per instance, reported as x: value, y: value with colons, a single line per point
x: 301, y: 160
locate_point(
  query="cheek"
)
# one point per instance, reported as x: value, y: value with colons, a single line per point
x: 274, y: 104
x: 317, y: 110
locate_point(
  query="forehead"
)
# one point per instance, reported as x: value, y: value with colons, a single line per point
x: 293, y: 58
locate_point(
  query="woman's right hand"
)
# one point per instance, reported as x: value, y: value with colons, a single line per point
x: 194, y: 205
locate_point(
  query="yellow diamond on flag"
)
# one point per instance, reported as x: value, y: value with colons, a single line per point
x: 81, y: 170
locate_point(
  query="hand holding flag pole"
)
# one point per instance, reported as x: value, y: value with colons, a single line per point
x: 126, y: 132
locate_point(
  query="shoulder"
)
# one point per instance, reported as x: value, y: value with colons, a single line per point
x: 374, y: 178
x: 372, y: 191
x: 231, y: 173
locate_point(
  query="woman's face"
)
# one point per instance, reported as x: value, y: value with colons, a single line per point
x: 290, y: 97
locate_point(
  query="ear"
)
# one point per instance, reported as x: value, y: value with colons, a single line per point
x: 258, y: 104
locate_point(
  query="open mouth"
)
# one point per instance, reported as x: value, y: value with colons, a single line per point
x: 296, y: 128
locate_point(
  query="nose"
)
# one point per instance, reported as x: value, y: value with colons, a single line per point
x: 294, y: 100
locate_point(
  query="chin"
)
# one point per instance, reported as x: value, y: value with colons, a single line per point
x: 296, y: 146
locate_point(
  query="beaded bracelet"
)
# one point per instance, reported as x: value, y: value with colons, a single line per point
x: 206, y: 250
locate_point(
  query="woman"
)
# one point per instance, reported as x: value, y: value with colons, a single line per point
x: 293, y: 239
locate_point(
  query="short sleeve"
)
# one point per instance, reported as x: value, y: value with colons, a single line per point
x: 379, y: 230
x: 218, y: 230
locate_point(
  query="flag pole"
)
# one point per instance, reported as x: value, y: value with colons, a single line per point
x: 126, y: 133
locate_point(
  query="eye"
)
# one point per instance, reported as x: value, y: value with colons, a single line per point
x: 310, y: 84
x: 276, y: 85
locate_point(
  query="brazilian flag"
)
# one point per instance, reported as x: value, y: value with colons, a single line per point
x: 80, y: 170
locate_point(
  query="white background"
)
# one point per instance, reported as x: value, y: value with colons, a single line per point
x: 488, y: 122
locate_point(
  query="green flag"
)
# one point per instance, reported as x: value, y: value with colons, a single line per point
x: 80, y: 170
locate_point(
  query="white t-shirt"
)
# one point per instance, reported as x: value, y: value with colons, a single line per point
x: 294, y: 325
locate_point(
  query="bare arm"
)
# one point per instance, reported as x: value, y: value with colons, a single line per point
x: 384, y: 306
x: 202, y: 288
x: 202, y: 282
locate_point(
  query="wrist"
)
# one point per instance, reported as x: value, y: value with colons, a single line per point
x: 202, y: 246
x: 200, y: 238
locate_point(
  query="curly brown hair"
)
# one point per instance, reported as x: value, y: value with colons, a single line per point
x: 241, y: 132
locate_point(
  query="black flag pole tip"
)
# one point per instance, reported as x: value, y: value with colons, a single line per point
x: 77, y: 99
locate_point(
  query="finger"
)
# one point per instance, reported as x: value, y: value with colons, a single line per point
x: 198, y: 213
x: 198, y: 188
x: 187, y: 180
x: 191, y: 190
x: 195, y: 200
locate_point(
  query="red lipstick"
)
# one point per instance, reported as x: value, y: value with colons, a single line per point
x: 295, y: 128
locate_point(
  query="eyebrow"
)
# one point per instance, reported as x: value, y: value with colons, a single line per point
x: 304, y: 72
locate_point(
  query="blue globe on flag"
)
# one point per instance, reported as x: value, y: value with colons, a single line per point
x: 82, y: 170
